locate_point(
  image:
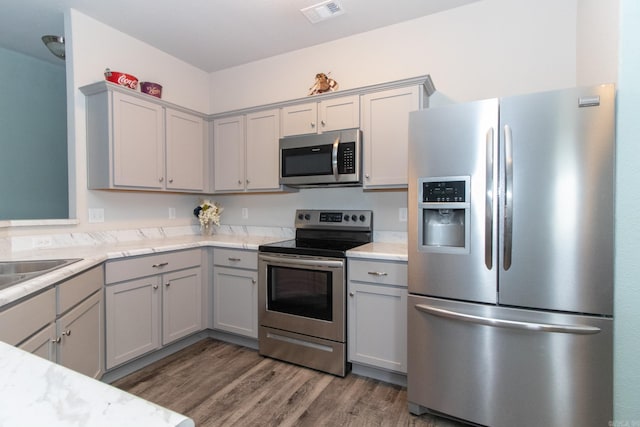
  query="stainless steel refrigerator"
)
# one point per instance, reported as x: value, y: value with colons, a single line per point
x: 510, y: 308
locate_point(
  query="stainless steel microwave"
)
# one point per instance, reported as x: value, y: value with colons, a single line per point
x: 326, y: 159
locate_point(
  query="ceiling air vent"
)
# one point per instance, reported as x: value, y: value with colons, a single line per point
x: 323, y: 10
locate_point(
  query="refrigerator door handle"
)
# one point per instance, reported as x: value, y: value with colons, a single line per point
x: 488, y: 220
x: 508, y: 196
x: 510, y: 324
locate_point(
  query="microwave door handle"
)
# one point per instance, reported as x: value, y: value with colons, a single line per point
x: 334, y: 157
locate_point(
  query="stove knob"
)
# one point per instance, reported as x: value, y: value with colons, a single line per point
x: 346, y: 217
x: 354, y: 218
x: 362, y: 218
x: 307, y: 217
x: 300, y: 217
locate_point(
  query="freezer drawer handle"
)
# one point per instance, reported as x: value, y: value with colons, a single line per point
x: 508, y: 196
x: 511, y: 324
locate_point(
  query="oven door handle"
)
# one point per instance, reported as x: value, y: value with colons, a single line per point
x: 301, y: 262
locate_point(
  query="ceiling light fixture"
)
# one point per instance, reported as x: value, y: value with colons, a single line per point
x: 55, y: 44
x: 323, y: 10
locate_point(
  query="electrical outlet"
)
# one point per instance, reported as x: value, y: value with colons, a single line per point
x: 245, y: 213
x: 402, y: 214
x: 172, y: 213
x: 96, y: 215
x: 42, y: 242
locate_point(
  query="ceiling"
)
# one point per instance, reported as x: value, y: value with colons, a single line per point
x: 209, y: 34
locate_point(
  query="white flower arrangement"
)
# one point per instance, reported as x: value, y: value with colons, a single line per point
x: 208, y: 213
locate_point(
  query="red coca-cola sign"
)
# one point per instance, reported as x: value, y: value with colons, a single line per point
x: 122, y: 79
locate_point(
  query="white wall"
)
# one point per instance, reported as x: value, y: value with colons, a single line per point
x: 92, y: 47
x: 627, y: 271
x: 489, y: 48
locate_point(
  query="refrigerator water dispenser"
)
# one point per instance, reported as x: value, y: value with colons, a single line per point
x: 443, y: 209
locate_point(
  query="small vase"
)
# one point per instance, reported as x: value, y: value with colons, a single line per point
x: 207, y: 229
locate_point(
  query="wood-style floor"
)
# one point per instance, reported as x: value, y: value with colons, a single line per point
x: 221, y: 384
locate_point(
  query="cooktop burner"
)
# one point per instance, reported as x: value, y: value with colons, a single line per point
x: 326, y: 233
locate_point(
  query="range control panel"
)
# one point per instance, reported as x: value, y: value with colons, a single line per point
x: 334, y: 219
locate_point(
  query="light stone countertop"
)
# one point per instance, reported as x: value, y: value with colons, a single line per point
x: 93, y: 255
x: 37, y: 392
x: 380, y: 250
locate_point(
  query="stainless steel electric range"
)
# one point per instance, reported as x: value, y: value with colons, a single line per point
x: 302, y: 289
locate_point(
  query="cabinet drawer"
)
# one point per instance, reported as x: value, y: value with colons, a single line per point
x: 26, y: 318
x: 130, y: 268
x: 380, y: 272
x: 236, y: 258
x: 72, y: 291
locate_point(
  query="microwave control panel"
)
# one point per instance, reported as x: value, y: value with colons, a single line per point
x: 347, y: 158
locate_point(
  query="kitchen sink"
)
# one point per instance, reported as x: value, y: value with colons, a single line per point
x: 13, y: 272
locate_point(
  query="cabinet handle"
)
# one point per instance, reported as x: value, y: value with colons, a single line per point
x: 56, y: 340
x: 170, y: 180
x: 253, y: 281
x: 313, y: 125
x: 67, y: 332
x: 378, y: 273
x: 234, y: 259
x: 248, y: 181
x: 322, y: 123
x: 167, y: 284
x: 351, y: 294
x: 162, y: 264
x: 239, y: 182
x: 161, y: 179
x: 155, y: 286
x: 366, y: 176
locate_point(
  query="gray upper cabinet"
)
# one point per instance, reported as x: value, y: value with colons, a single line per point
x: 135, y: 141
x: 317, y: 117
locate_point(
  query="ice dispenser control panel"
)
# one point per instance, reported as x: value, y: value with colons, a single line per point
x: 443, y: 214
x: 443, y: 191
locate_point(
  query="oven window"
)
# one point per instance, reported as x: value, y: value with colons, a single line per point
x: 300, y: 292
x: 307, y: 161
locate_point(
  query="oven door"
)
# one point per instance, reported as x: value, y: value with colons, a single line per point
x: 302, y: 294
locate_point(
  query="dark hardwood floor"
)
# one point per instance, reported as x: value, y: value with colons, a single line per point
x: 221, y: 384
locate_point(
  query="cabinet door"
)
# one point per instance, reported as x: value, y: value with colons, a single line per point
x: 300, y: 119
x: 377, y: 323
x: 186, y: 160
x: 385, y: 128
x: 262, y: 158
x: 42, y: 343
x: 339, y: 113
x: 235, y: 301
x: 82, y: 338
x: 181, y: 304
x: 228, y: 152
x: 138, y: 143
x: 133, y: 319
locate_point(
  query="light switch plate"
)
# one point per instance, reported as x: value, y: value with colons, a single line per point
x: 402, y: 214
x: 96, y: 215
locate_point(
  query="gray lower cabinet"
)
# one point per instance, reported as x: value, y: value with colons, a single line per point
x: 377, y: 314
x: 235, y: 291
x: 151, y: 301
x: 64, y: 324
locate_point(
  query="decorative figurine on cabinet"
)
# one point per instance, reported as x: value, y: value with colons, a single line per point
x: 323, y: 84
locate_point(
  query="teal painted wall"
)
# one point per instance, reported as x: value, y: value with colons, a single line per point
x: 627, y: 272
x: 33, y: 138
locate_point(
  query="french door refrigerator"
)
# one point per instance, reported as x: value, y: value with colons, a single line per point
x: 511, y: 259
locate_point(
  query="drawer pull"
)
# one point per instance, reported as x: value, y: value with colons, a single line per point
x: 67, y: 332
x: 56, y: 340
x: 378, y: 273
x: 162, y: 264
x: 234, y: 259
